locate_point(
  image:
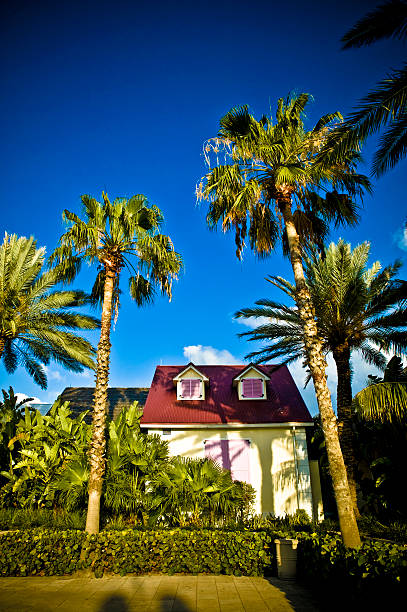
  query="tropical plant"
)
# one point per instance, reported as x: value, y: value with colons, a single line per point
x: 385, y: 399
x: 356, y: 308
x: 114, y: 235
x: 266, y: 163
x: 191, y: 489
x: 46, y: 445
x: 35, y: 317
x: 385, y: 105
x: 10, y: 415
x: 134, y: 460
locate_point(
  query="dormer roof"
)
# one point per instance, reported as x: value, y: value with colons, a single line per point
x: 190, y: 366
x: 246, y: 369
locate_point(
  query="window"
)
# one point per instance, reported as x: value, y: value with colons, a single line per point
x: 252, y: 388
x: 191, y: 388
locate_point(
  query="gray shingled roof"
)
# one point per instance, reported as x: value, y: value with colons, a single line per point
x: 81, y: 399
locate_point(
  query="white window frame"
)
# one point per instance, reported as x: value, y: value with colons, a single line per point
x: 199, y: 397
x: 252, y: 399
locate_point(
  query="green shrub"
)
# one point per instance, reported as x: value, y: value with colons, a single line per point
x: 44, y: 552
x: 38, y: 552
x: 366, y: 576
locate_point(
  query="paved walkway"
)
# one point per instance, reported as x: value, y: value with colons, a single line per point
x: 156, y: 593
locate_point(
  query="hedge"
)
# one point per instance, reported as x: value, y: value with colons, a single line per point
x: 49, y: 552
x: 368, y: 576
x: 39, y: 552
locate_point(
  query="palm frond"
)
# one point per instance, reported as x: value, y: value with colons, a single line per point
x: 392, y: 146
x: 384, y: 402
x: 389, y: 20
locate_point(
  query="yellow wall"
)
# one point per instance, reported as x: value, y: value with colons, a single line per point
x: 280, y: 487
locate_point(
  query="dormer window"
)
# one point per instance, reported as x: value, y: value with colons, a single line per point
x: 190, y: 383
x: 251, y: 383
x: 191, y: 388
x: 252, y: 388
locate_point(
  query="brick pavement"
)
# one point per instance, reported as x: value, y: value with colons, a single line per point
x: 155, y: 593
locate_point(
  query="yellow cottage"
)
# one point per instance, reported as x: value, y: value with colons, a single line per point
x: 250, y: 419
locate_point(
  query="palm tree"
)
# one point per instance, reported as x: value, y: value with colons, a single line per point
x: 356, y: 309
x: 385, y: 399
x: 114, y: 235
x: 385, y: 105
x: 35, y: 317
x: 266, y: 163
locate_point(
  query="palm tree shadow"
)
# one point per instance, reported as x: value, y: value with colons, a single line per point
x: 174, y: 604
x: 114, y: 603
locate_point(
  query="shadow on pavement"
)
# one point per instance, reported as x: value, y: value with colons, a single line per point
x: 300, y: 598
x: 174, y: 604
x: 114, y: 603
x: 117, y: 603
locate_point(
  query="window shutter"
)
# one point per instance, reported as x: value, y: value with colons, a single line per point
x: 232, y: 455
x: 195, y: 387
x: 252, y: 387
x: 190, y: 388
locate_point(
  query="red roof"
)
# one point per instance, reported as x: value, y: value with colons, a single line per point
x: 221, y: 405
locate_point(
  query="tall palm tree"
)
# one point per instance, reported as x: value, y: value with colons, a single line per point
x: 356, y: 308
x: 37, y: 323
x: 386, y: 104
x: 114, y: 235
x: 267, y: 164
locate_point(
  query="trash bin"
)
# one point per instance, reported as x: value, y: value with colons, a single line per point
x: 286, y: 558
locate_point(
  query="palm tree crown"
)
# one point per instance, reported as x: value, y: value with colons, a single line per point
x: 111, y: 235
x: 355, y: 307
x: 385, y: 399
x: 266, y: 162
x: 36, y: 320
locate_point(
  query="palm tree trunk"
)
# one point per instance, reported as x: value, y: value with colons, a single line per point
x: 98, y: 442
x: 344, y: 411
x: 317, y: 366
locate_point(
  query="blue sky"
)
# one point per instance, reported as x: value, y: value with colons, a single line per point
x: 120, y: 96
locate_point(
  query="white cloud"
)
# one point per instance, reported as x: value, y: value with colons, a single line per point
x: 23, y: 396
x: 208, y: 355
x: 253, y: 322
x: 401, y: 238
